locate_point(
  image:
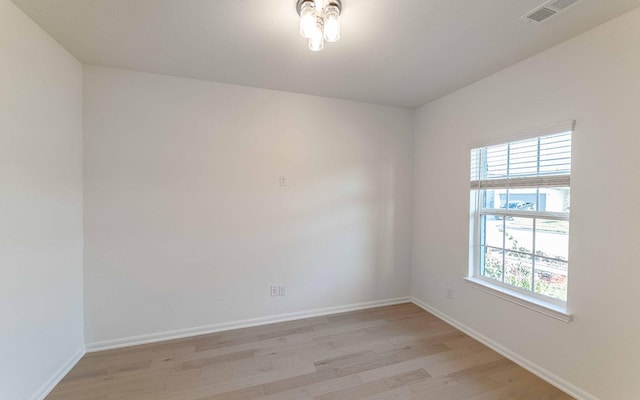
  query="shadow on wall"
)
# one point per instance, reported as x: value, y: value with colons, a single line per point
x: 342, y: 228
x: 332, y: 237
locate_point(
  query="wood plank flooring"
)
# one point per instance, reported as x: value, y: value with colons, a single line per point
x: 389, y: 353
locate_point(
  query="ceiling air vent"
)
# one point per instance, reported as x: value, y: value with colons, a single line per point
x: 548, y: 10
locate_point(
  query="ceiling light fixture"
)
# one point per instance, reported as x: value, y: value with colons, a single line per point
x: 319, y: 21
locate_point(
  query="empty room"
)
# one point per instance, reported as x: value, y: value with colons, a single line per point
x: 319, y: 199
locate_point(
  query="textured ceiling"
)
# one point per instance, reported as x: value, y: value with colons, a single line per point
x: 396, y: 52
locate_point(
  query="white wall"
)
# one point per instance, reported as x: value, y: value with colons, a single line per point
x: 186, y: 224
x: 595, y: 79
x: 41, y: 326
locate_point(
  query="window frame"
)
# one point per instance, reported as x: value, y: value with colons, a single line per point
x: 552, y: 306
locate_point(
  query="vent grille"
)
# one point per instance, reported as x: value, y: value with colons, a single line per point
x: 541, y: 14
x: 548, y: 10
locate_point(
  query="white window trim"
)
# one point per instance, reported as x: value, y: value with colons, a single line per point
x: 545, y: 305
x: 527, y: 301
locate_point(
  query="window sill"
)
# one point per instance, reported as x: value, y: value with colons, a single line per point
x: 549, y: 309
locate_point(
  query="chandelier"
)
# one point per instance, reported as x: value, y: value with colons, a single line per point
x: 319, y: 21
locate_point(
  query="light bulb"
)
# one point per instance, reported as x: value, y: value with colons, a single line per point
x: 307, y: 19
x: 319, y: 4
x: 316, y: 44
x: 332, y: 24
x: 316, y: 41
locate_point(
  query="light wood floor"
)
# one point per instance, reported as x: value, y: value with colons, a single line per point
x: 398, y: 352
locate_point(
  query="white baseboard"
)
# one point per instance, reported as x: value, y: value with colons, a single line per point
x: 48, y: 386
x: 535, y: 369
x: 226, y: 326
x: 544, y: 374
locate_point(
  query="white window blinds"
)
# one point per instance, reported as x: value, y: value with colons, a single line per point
x: 543, y: 161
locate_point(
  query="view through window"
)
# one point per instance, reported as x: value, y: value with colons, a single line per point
x: 521, y: 192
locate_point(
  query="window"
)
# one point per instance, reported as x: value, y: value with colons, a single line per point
x: 520, y: 196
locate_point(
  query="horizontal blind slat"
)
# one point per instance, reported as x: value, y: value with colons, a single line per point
x: 535, y: 162
x: 523, y: 182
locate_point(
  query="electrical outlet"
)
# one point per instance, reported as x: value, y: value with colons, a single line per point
x: 449, y: 293
x: 278, y: 290
x: 284, y: 181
